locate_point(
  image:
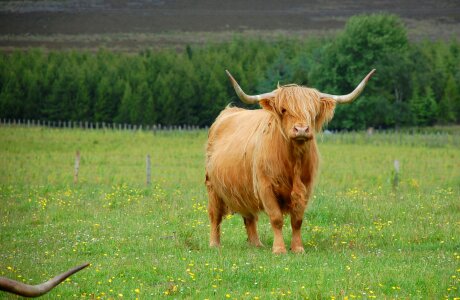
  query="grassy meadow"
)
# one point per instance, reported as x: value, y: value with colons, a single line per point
x: 363, y: 238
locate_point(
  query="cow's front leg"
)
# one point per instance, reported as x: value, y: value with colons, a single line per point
x: 298, y: 200
x: 296, y: 224
x: 273, y: 211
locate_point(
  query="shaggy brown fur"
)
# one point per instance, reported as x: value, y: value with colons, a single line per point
x: 255, y: 161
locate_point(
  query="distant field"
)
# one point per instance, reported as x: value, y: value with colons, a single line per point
x: 363, y: 238
x: 133, y: 25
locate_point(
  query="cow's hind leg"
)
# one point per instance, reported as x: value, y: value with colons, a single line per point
x: 250, y: 223
x: 216, y: 211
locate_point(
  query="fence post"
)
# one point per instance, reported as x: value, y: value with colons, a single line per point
x: 148, y: 170
x: 77, y: 167
x: 396, y: 175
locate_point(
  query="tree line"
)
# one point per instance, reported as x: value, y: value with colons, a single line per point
x: 416, y: 84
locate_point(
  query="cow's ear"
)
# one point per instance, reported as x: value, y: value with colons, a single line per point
x: 326, y: 112
x: 267, y: 104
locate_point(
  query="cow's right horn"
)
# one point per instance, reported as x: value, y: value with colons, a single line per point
x: 248, y: 99
x: 26, y: 290
x: 342, y: 99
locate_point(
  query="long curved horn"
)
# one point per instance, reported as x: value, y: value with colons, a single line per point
x: 26, y: 290
x: 342, y: 99
x: 248, y: 99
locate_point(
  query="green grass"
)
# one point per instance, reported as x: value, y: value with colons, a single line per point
x: 363, y: 239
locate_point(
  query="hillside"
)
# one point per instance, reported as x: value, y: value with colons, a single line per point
x: 133, y: 25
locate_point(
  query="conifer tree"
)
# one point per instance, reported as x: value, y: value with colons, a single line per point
x: 123, y: 115
x: 447, y: 104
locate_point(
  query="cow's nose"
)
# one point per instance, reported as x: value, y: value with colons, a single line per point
x: 301, y: 130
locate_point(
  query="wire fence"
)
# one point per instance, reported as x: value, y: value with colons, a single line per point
x: 406, y: 137
x: 96, y: 125
x: 409, y: 138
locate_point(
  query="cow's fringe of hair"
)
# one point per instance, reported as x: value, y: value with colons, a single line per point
x: 302, y: 108
x: 318, y: 111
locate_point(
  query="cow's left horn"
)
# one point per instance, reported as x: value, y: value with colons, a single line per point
x: 248, y: 99
x: 342, y: 99
x: 26, y: 290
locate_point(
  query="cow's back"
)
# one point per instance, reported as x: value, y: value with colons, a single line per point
x: 229, y: 163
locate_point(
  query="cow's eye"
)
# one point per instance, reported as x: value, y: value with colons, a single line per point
x: 283, y: 110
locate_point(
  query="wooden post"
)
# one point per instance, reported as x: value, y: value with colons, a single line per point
x: 396, y: 175
x: 148, y: 170
x: 77, y: 167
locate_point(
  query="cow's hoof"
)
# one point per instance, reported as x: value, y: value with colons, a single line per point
x: 298, y: 250
x: 214, y: 244
x: 279, y: 250
x: 257, y: 244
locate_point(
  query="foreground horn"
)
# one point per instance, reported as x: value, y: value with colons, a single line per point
x: 342, y: 99
x: 248, y: 99
x: 26, y: 290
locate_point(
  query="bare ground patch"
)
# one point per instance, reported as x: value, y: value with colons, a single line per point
x: 133, y: 25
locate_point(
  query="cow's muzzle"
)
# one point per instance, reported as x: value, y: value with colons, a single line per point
x: 301, y: 133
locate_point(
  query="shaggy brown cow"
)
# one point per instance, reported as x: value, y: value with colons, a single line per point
x: 267, y: 159
x: 32, y: 291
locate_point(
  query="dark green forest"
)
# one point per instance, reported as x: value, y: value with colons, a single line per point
x: 416, y: 84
